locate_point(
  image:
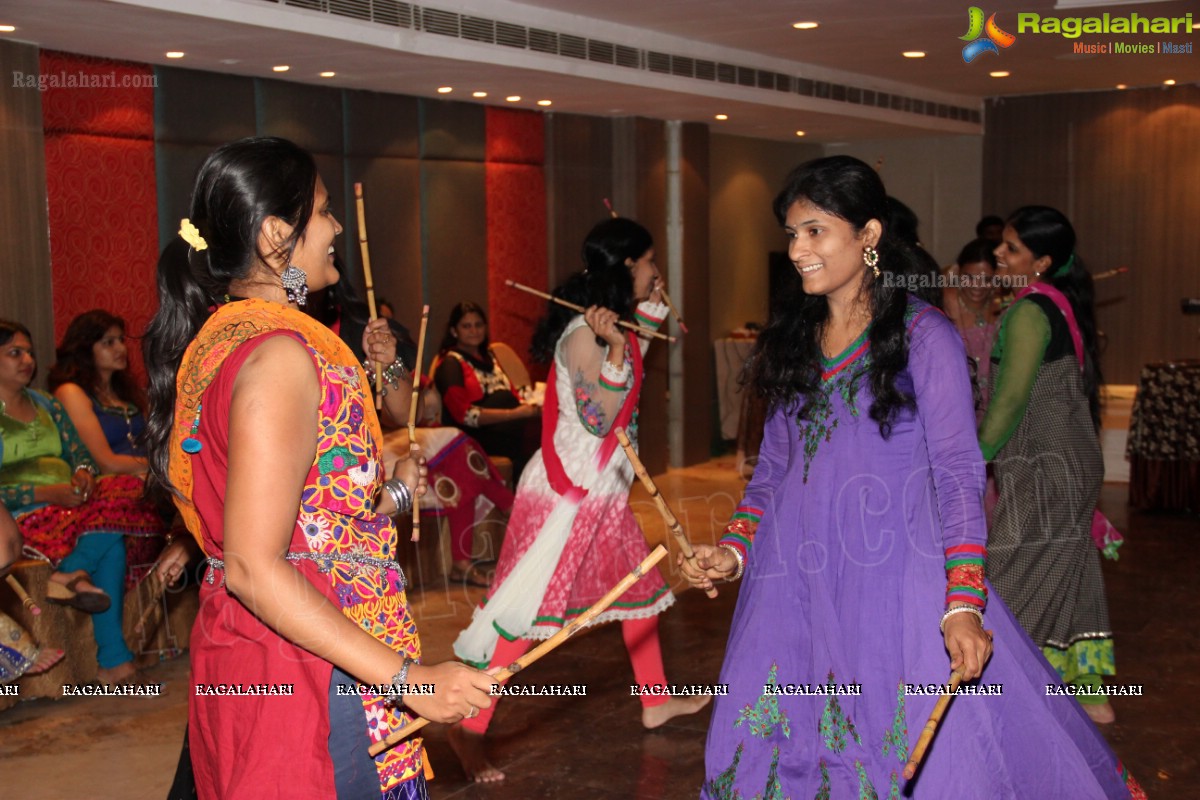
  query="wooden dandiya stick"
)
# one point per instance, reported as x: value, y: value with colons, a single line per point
x: 668, y: 516
x: 674, y: 310
x: 939, y: 710
x: 638, y: 329
x: 1112, y: 273
x: 157, y: 588
x: 545, y: 647
x: 611, y: 211
x: 412, y: 415
x: 22, y: 595
x: 366, y: 262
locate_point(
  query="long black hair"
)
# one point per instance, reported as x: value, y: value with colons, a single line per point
x: 785, y: 369
x: 76, y: 361
x: 1047, y: 232
x: 240, y: 185
x: 606, y: 280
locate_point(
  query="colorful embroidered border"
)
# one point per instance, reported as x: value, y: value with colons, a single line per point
x: 607, y: 383
x: 832, y: 366
x: 647, y: 320
x: 739, y: 533
x: 964, y: 575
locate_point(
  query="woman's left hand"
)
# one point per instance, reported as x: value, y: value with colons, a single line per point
x: 378, y: 342
x: 172, y: 562
x: 413, y: 472
x: 83, y: 483
x: 969, y: 645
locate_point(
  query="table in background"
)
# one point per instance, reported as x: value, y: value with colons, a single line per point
x: 1164, y: 438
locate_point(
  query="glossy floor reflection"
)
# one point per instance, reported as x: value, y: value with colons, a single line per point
x: 594, y: 746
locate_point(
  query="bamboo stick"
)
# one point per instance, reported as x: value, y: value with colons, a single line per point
x: 152, y: 604
x: 674, y: 310
x: 1112, y: 273
x: 611, y: 211
x: 22, y: 595
x: 939, y: 710
x: 366, y: 262
x: 545, y: 647
x: 412, y: 415
x: 638, y: 329
x: 668, y: 516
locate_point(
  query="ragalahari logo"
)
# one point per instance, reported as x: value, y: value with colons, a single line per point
x: 995, y: 39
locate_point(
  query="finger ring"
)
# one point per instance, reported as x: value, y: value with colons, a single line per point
x: 473, y: 713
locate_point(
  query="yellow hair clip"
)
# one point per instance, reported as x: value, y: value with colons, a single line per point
x: 191, y: 235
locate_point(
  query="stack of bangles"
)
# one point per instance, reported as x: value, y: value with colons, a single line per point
x: 392, y: 373
x: 741, y: 563
x: 401, y: 495
x: 978, y: 612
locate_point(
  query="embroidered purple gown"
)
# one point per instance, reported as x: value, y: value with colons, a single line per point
x: 845, y: 583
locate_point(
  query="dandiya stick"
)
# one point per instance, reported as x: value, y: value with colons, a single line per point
x: 545, y: 647
x: 366, y: 262
x: 638, y: 329
x: 935, y: 719
x: 156, y: 592
x: 23, y: 595
x: 412, y: 415
x: 1112, y: 273
x: 678, y: 317
x: 668, y: 516
x: 611, y: 211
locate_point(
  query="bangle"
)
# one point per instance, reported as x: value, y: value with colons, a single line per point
x: 88, y: 468
x: 400, y: 679
x: 392, y: 373
x: 959, y: 610
x: 741, y: 563
x: 400, y: 493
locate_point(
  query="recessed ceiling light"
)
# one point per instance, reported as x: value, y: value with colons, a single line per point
x: 7, y: 28
x: 445, y: 89
x: 800, y: 133
x: 478, y: 94
x: 804, y: 26
x: 1196, y: 26
x: 1169, y: 82
x: 1122, y: 86
x: 913, y: 54
x: 544, y: 102
x: 280, y: 68
x: 1000, y: 73
x: 328, y: 73
x: 513, y: 98
x: 174, y: 54
x: 722, y: 116
x: 231, y: 61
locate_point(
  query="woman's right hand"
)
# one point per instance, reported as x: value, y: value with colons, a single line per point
x: 67, y: 495
x: 412, y: 471
x: 715, y: 563
x: 457, y: 689
x: 604, y: 324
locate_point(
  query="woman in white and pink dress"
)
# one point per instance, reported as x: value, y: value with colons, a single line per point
x: 572, y: 535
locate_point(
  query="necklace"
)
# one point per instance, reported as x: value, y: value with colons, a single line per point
x: 119, y: 407
x: 35, y: 430
x: 978, y: 313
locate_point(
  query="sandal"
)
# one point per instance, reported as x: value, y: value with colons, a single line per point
x: 471, y: 576
x: 66, y: 594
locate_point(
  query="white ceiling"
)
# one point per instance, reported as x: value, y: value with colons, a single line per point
x: 857, y: 44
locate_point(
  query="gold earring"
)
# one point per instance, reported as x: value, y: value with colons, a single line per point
x: 871, y: 259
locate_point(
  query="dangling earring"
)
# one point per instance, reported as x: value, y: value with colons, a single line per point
x: 871, y: 259
x: 295, y: 284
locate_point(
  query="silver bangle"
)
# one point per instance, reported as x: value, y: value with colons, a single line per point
x: 401, y: 495
x: 741, y: 562
x: 400, y: 679
x: 959, y: 610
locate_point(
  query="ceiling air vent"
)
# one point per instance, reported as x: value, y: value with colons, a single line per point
x: 444, y: 23
x: 600, y: 52
x: 511, y: 35
x: 726, y: 73
x: 572, y: 46
x: 658, y: 62
x: 541, y: 41
x: 478, y: 29
x: 628, y: 57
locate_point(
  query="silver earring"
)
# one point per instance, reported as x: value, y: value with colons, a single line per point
x: 871, y: 259
x: 295, y: 284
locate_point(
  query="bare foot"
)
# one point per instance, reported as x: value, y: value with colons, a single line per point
x: 117, y: 675
x: 46, y: 659
x: 1101, y: 713
x: 654, y: 716
x: 468, y: 746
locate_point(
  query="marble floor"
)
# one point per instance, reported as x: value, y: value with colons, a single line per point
x: 594, y: 746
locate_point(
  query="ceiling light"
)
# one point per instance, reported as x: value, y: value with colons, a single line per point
x: 800, y: 133
x: 513, y: 98
x: 804, y: 26
x: 913, y: 54
x: 722, y: 116
x: 1000, y: 73
x: 7, y: 28
x: 328, y: 73
x: 544, y: 102
x: 1169, y: 82
x: 478, y: 94
x: 281, y: 68
x: 1122, y: 86
x: 174, y: 54
x: 445, y: 89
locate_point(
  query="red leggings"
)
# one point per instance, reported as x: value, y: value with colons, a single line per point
x: 645, y: 654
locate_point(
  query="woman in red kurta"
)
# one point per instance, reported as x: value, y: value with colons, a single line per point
x: 304, y: 652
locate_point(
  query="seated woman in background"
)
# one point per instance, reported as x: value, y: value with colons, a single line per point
x: 67, y: 516
x: 92, y: 381
x: 971, y: 305
x: 478, y: 395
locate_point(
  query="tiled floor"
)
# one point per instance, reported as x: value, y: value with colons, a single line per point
x: 594, y: 747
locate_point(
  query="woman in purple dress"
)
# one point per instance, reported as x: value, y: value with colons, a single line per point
x: 862, y: 540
